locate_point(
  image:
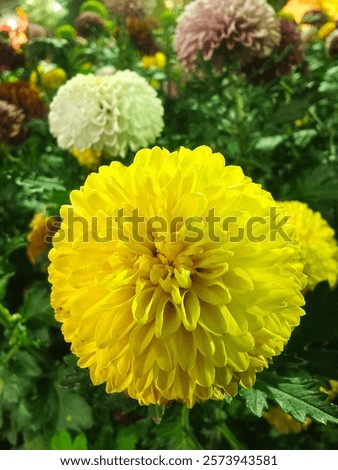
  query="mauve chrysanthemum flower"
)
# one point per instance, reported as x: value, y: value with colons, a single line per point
x: 233, y: 28
x: 11, y: 121
x: 290, y: 52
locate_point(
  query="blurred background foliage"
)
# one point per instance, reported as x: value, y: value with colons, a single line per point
x: 282, y: 132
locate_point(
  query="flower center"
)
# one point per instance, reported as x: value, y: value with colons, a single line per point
x: 170, y: 267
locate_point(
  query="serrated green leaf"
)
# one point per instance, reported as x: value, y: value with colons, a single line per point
x: 298, y: 396
x: 25, y: 365
x: 10, y: 387
x: 255, y: 400
x: 74, y: 411
x: 37, y: 302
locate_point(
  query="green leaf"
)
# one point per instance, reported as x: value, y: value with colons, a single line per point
x: 329, y: 84
x: 80, y: 442
x: 61, y: 440
x: 10, y: 388
x: 267, y: 144
x: 277, y: 4
x: 175, y: 430
x: 37, y: 442
x: 303, y: 137
x: 24, y: 364
x: 255, y: 400
x: 295, y: 109
x: 298, y: 396
x: 74, y: 411
x: 126, y: 438
x: 37, y: 303
x: 5, y: 277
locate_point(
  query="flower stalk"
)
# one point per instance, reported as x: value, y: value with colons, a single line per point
x: 241, y: 129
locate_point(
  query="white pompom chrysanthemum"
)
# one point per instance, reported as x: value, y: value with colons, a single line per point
x: 110, y: 113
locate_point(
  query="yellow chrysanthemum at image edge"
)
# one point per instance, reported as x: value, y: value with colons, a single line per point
x: 318, y: 245
x: 332, y: 392
x: 284, y: 422
x: 42, y: 229
x: 160, y: 294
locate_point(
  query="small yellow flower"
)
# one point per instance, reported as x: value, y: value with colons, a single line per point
x: 326, y: 29
x: 302, y: 122
x: 34, y: 76
x: 284, y: 422
x: 155, y: 84
x: 163, y: 291
x: 86, y: 68
x: 158, y: 60
x: 50, y: 78
x: 42, y: 230
x: 53, y: 79
x: 148, y: 61
x: 332, y: 393
x: 88, y: 157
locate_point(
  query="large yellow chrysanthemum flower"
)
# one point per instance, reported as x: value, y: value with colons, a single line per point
x: 173, y: 278
x: 318, y: 245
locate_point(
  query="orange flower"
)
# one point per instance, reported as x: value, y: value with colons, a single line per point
x: 17, y: 31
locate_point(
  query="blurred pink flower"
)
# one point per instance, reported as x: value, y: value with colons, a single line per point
x: 227, y: 28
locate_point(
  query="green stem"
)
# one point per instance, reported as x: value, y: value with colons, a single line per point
x: 186, y: 427
x: 241, y: 131
x: 3, y: 150
x: 6, y: 319
x: 225, y: 431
